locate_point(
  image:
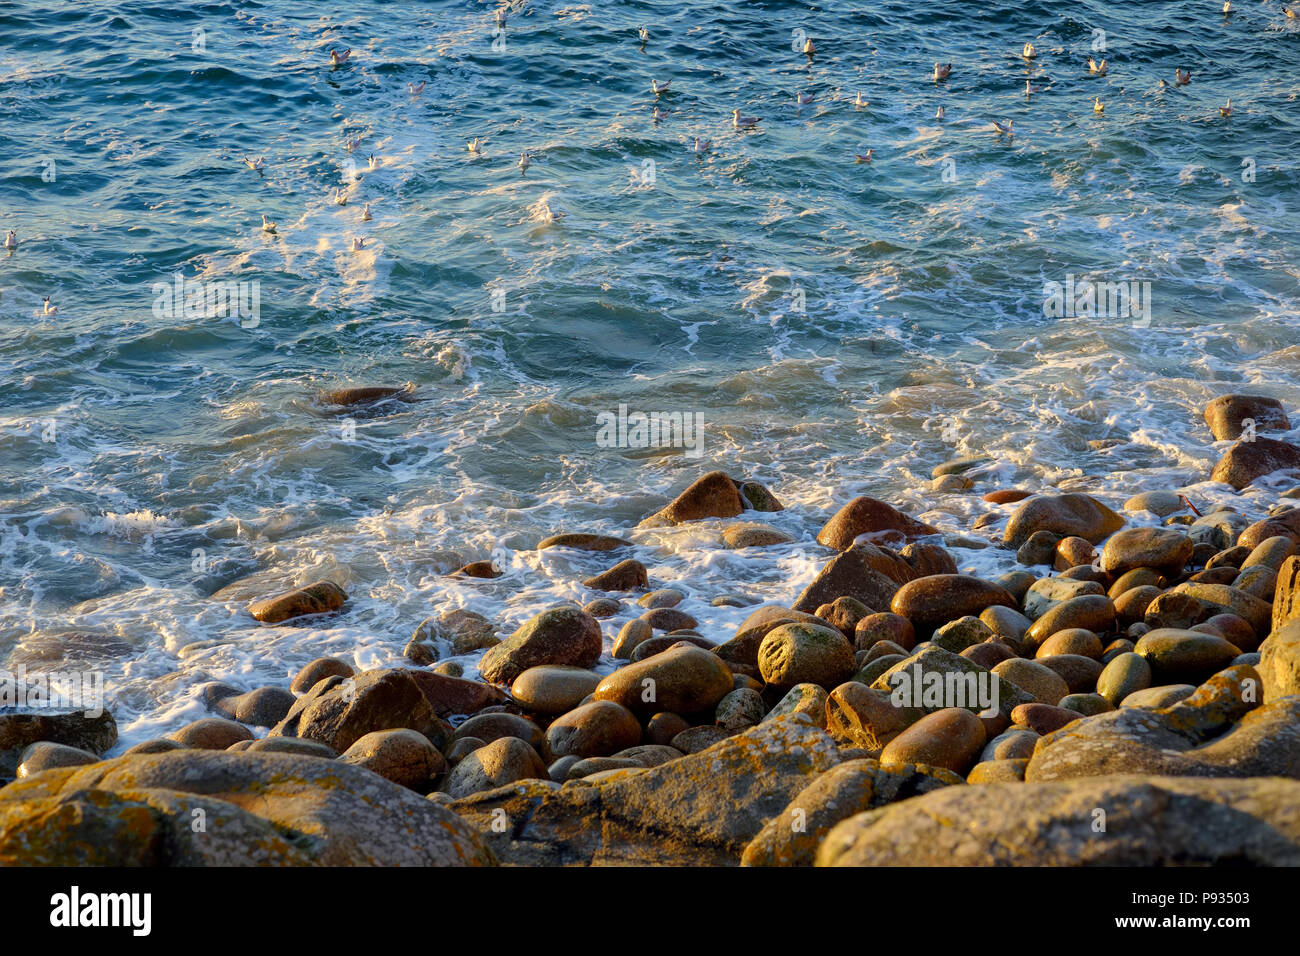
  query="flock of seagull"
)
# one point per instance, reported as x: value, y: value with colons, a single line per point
x: 699, y: 146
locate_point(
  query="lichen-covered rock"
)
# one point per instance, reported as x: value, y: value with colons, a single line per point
x: 791, y: 838
x: 257, y: 809
x: 1146, y: 821
x: 1218, y: 731
x: 700, y: 809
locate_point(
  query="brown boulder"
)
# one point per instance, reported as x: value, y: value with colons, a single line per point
x: 1068, y: 515
x: 882, y: 523
x: 560, y: 635
x: 1247, y: 460
x: 318, y: 598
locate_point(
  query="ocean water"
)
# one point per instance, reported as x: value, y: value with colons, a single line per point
x: 840, y: 328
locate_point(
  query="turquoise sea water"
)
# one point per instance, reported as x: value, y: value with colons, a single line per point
x: 149, y: 460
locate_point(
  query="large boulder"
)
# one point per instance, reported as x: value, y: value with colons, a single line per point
x: 864, y: 572
x: 683, y: 679
x: 714, y: 495
x: 1279, y: 662
x: 1247, y: 460
x: 320, y: 597
x: 880, y: 523
x: 340, y: 711
x: 1162, y: 549
x: 939, y: 598
x: 1226, y: 414
x: 701, y: 809
x: 560, y: 635
x: 1069, y: 515
x: 1113, y: 821
x: 200, y: 807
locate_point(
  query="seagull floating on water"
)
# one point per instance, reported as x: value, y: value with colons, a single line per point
x: 657, y: 114
x: 940, y: 113
x: 1226, y: 109
x: 743, y: 122
x: 1097, y: 106
x: 365, y: 213
x: 11, y: 240
x: 1030, y: 89
x: 864, y: 157
x: 1227, y: 7
x: 49, y: 309
x: 942, y: 71
x: 1028, y: 52
x: 267, y: 225
x: 352, y: 145
x: 644, y: 34
x: 1183, y: 76
x: 1095, y: 67
x: 808, y: 48
x: 373, y: 163
x: 1291, y: 13
x: 699, y: 146
x: 660, y: 88
x: 358, y: 244
x: 340, y: 197
x: 501, y: 16
x: 803, y: 99
x: 524, y: 161
x: 859, y: 102
x: 256, y: 165
x: 338, y: 59
x: 1006, y: 130
x: 415, y: 89
x: 476, y: 146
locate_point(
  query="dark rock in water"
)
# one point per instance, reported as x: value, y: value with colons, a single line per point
x: 1070, y: 514
x: 583, y: 542
x: 321, y: 597
x: 1226, y: 414
x: 363, y: 395
x: 74, y: 649
x: 791, y: 838
x: 668, y: 619
x: 880, y: 522
x: 338, y: 712
x: 264, y: 707
x: 758, y: 497
x: 478, y: 569
x: 602, y: 608
x: 418, y: 653
x: 714, y: 495
x: 1247, y: 460
x: 1039, y: 548
x: 259, y: 809
x: 700, y: 809
x: 866, y: 573
x: 460, y: 630
x: 317, y: 671
x: 753, y: 534
x: 926, y: 558
x: 560, y: 635
x: 1149, y: 821
x: 624, y: 576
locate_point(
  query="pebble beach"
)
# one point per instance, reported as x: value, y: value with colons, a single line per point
x: 539, y: 435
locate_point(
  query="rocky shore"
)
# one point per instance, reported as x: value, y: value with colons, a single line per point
x: 1126, y: 692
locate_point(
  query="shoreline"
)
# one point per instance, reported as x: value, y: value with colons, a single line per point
x: 1108, y: 658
